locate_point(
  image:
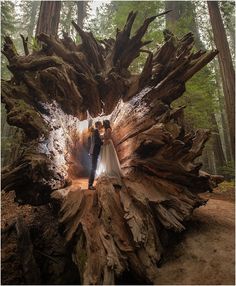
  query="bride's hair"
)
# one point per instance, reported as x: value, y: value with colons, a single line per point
x: 106, y: 124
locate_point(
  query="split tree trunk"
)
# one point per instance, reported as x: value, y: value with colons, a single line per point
x: 226, y: 66
x: 112, y: 229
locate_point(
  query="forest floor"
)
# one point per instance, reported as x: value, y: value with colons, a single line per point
x: 203, y: 254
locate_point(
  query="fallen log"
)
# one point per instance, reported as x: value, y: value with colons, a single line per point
x: 57, y: 89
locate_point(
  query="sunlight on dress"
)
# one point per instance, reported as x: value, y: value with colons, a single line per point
x: 108, y: 162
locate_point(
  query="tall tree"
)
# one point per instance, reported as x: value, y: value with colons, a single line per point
x: 49, y: 17
x: 228, y: 14
x: 81, y: 12
x: 10, y: 136
x: 182, y: 19
x: 217, y: 145
x: 226, y: 66
x: 68, y: 13
x: 29, y: 10
x: 172, y: 17
x: 224, y: 121
x: 34, y: 10
x: 7, y: 17
x: 7, y: 28
x: 72, y: 10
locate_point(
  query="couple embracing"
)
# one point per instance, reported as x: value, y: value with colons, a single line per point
x: 103, y: 154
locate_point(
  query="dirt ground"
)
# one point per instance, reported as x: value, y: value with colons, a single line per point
x: 204, y: 253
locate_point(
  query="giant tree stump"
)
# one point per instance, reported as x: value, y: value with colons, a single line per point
x: 51, y: 93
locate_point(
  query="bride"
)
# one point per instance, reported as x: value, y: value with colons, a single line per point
x: 108, y: 162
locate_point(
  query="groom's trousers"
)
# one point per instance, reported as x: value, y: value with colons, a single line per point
x: 94, y: 158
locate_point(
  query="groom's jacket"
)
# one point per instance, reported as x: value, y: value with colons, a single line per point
x: 96, y: 143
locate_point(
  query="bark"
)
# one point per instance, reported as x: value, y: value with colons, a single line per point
x: 174, y: 15
x: 180, y: 9
x: 69, y: 18
x: 229, y: 156
x: 217, y: 146
x: 32, y: 249
x: 212, y: 163
x: 205, y: 162
x: 53, y: 90
x: 225, y: 127
x: 226, y: 66
x: 49, y: 16
x: 81, y: 12
x: 31, y: 271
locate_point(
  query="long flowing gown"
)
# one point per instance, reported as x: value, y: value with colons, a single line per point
x: 108, y: 161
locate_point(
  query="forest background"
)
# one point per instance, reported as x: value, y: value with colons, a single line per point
x: 205, y: 99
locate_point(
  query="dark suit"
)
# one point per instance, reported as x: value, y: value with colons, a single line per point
x: 94, y: 151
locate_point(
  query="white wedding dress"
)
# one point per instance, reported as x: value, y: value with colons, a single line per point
x: 108, y: 161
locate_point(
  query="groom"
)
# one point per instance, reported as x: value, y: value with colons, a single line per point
x: 96, y: 143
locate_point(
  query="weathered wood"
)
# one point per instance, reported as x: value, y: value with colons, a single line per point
x: 25, y: 248
x: 39, y: 233
x: 25, y: 44
x: 116, y: 229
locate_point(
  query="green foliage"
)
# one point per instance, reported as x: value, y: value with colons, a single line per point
x: 8, y: 23
x: 228, y: 12
x: 186, y: 18
x: 227, y: 9
x: 228, y: 171
x: 35, y: 44
x: 112, y: 16
x: 68, y: 13
x: 200, y: 99
x: 10, y: 138
x: 29, y: 11
x: 7, y: 18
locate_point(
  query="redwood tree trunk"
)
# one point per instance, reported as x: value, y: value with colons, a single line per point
x: 81, y: 12
x: 49, y: 16
x: 225, y: 127
x: 205, y: 161
x: 226, y: 66
x: 217, y: 145
x: 174, y: 15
